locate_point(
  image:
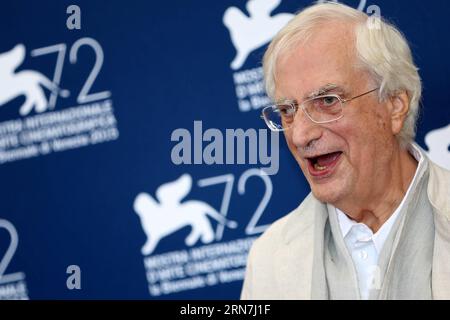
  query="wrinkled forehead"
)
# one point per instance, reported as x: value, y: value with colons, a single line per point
x: 328, y: 56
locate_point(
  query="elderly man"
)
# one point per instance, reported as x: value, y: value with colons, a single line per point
x: 377, y: 223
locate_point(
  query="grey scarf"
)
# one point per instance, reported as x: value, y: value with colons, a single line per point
x: 405, y: 262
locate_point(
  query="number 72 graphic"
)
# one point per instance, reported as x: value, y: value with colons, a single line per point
x: 228, y: 179
x: 84, y: 96
x: 9, y: 253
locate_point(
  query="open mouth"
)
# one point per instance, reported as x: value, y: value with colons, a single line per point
x: 321, y: 165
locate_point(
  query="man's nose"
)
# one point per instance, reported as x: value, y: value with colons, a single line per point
x: 304, y: 131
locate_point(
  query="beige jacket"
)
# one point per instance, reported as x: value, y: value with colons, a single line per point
x: 280, y: 262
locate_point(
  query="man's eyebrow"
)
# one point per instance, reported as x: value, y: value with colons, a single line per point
x: 318, y: 92
x: 322, y: 90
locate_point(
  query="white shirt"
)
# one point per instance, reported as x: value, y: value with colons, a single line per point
x: 364, y: 246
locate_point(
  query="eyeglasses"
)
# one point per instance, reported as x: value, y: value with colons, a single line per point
x: 321, y: 109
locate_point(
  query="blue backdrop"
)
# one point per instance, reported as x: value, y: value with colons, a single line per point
x: 93, y: 203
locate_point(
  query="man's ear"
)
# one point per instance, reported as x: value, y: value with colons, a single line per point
x: 399, y: 104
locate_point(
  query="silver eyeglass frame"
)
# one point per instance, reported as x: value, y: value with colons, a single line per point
x: 295, y: 105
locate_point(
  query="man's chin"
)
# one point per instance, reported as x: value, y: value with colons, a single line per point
x: 326, y: 194
x: 330, y: 189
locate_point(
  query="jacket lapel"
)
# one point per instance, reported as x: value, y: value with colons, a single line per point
x: 439, y: 196
x: 294, y: 261
x: 441, y: 259
x: 294, y: 280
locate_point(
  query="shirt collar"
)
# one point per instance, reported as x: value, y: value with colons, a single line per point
x: 345, y: 223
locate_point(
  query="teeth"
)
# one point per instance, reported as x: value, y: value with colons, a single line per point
x: 318, y: 167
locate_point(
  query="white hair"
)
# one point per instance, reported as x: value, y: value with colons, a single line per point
x: 381, y: 49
